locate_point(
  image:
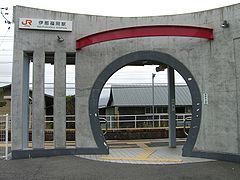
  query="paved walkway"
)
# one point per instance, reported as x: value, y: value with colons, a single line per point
x: 144, y: 152
x: 161, y: 155
x: 141, y: 160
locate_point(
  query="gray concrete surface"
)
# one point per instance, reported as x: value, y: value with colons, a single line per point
x: 60, y: 98
x: 84, y: 135
x: 71, y: 167
x: 38, y: 101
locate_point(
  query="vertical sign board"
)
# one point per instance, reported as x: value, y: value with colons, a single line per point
x: 45, y: 24
x: 205, y: 98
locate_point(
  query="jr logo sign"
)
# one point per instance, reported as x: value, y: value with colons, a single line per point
x: 27, y: 22
x: 45, y: 24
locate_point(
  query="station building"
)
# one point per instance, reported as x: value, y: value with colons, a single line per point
x: 203, y: 47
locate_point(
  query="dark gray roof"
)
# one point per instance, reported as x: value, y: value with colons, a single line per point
x: 141, y: 95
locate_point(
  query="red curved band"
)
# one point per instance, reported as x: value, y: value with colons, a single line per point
x: 145, y: 31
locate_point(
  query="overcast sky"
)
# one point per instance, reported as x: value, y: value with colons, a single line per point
x: 101, y: 7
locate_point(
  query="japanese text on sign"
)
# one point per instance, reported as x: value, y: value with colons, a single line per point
x: 45, y: 24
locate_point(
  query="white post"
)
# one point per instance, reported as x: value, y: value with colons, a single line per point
x: 6, y: 138
x: 110, y: 121
x: 153, y: 75
x: 135, y: 121
x: 159, y: 120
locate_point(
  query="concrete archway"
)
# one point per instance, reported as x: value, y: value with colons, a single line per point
x: 156, y: 57
x: 214, y: 64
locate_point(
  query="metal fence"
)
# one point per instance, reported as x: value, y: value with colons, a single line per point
x: 4, y: 136
x: 49, y: 122
x: 127, y: 121
x: 110, y: 122
x: 143, y: 121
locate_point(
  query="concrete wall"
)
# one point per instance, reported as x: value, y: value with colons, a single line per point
x: 214, y: 65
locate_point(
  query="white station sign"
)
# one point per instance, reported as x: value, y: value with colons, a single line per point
x: 45, y: 24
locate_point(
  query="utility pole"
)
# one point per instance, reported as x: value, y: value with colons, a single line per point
x: 153, y: 75
x: 171, y: 108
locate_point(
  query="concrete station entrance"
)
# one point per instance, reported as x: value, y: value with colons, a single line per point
x: 205, y: 52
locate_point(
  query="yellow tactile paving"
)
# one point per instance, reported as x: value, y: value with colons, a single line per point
x: 141, y: 159
x: 143, y: 156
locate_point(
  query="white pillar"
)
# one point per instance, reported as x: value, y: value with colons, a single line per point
x: 38, y: 101
x: 60, y: 99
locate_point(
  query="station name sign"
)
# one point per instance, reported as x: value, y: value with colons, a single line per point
x: 45, y: 24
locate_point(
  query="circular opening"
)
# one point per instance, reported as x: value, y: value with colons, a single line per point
x: 144, y: 57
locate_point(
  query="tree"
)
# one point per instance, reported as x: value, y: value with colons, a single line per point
x: 70, y: 105
x: 2, y: 103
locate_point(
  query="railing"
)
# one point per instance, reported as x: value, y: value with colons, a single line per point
x: 70, y: 122
x: 186, y: 123
x: 105, y: 122
x: 110, y: 122
x: 144, y: 121
x: 4, y: 130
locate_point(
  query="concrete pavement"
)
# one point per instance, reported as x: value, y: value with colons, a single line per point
x: 72, y: 167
